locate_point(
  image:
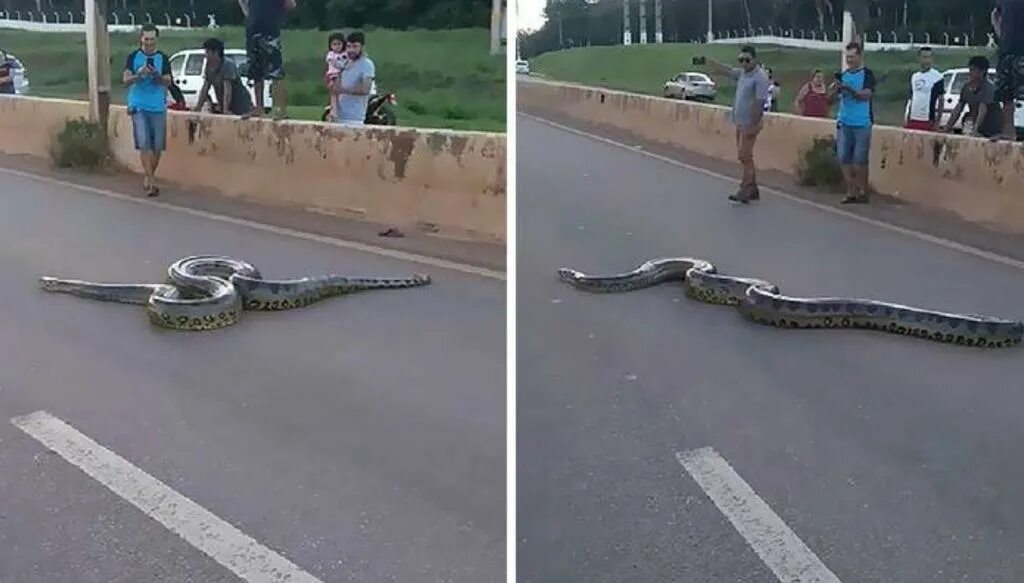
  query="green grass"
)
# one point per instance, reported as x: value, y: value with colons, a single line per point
x: 644, y: 69
x: 443, y: 79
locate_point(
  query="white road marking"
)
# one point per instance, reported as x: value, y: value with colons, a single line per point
x: 227, y: 545
x: 780, y: 549
x: 947, y: 243
x: 342, y: 243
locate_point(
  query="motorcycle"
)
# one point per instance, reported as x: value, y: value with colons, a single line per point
x: 380, y: 111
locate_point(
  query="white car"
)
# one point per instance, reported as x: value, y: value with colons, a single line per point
x: 522, y: 67
x: 187, y: 68
x: 19, y: 72
x: 691, y: 86
x: 954, y: 81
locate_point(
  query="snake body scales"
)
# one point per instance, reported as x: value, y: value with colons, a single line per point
x: 207, y: 292
x: 762, y: 302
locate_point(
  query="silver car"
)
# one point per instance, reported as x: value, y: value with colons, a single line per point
x: 19, y: 72
x: 691, y: 86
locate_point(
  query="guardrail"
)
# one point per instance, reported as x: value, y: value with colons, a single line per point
x: 827, y: 41
x: 75, y: 22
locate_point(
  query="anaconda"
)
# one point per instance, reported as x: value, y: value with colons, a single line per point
x: 206, y: 292
x: 763, y: 303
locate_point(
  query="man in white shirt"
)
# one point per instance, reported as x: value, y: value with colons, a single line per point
x: 926, y: 92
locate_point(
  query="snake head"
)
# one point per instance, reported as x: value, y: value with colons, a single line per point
x: 49, y: 283
x: 569, y: 275
x: 421, y: 278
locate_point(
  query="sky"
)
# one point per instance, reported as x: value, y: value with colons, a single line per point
x: 531, y: 14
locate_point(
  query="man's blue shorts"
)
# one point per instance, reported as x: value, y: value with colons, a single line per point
x: 853, y: 145
x: 150, y: 131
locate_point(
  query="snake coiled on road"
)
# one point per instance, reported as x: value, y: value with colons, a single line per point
x: 207, y: 292
x: 762, y: 302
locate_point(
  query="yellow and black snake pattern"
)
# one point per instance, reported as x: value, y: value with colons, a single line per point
x: 206, y: 292
x: 761, y: 302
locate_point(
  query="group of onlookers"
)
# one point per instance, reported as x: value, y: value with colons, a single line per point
x: 989, y: 106
x: 147, y: 75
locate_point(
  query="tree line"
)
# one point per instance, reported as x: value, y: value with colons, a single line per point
x: 319, y: 14
x: 599, y: 22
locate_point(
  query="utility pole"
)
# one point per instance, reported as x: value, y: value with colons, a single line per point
x: 658, y: 36
x: 643, y: 22
x: 97, y: 43
x: 855, y: 14
x: 497, y: 17
x: 627, y: 35
x: 711, y: 30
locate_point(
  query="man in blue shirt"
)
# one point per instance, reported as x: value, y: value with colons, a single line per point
x: 355, y: 82
x: 1008, y: 22
x: 854, y: 89
x: 147, y: 74
x: 752, y: 87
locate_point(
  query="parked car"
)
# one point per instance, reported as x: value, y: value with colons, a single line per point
x: 954, y: 81
x: 188, y: 66
x: 20, y: 73
x: 522, y: 67
x: 691, y: 86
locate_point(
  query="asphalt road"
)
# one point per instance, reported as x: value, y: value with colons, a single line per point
x: 362, y: 438
x: 893, y: 459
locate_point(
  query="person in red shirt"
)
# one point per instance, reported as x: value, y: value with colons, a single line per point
x: 813, y: 99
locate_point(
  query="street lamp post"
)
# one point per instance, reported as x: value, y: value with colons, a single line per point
x: 643, y: 21
x: 711, y: 30
x: 97, y: 42
x: 659, y: 37
x: 627, y: 35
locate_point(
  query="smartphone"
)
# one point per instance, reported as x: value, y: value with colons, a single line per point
x: 150, y: 63
x: 839, y: 77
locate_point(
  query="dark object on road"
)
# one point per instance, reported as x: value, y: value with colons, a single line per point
x: 700, y: 61
x: 81, y: 144
x: 392, y: 232
x: 379, y: 112
x: 819, y: 166
x: 761, y: 302
x: 207, y: 292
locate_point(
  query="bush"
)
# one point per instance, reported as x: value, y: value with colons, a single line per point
x: 81, y: 144
x: 819, y: 166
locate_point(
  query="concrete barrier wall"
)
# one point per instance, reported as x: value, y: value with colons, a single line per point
x: 452, y: 183
x: 978, y: 180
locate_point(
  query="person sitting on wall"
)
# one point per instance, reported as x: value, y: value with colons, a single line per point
x: 985, y: 116
x: 222, y: 75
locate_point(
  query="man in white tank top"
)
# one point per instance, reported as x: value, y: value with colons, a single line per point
x: 926, y: 92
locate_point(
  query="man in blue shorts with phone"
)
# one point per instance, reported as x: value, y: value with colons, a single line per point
x: 147, y: 74
x: 854, y: 89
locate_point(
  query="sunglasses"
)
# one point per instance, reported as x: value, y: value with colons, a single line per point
x: 744, y: 60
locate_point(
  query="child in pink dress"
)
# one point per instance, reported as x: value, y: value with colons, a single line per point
x: 336, y: 60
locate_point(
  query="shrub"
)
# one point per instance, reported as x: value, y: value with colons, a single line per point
x: 81, y: 144
x: 819, y: 166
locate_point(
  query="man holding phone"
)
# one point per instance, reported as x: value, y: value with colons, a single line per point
x: 854, y: 88
x: 752, y: 86
x: 147, y: 74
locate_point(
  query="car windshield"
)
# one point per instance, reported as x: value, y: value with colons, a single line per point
x: 699, y: 78
x: 961, y: 79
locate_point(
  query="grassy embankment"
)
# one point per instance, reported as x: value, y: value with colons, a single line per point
x: 443, y: 79
x: 645, y: 68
